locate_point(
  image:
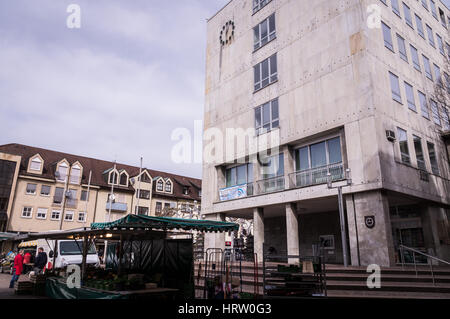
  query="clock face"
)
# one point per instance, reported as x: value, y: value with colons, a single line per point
x: 227, y: 33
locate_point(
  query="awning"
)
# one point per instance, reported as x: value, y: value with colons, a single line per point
x: 27, y: 244
x: 5, y: 236
x: 166, y: 223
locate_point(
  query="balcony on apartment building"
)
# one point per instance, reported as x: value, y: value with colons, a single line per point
x: 314, y: 165
x: 299, y: 179
x: 117, y: 207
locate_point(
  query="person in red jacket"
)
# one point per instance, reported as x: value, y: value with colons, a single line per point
x: 18, y: 268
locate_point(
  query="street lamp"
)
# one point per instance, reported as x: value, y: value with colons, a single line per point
x: 341, y: 211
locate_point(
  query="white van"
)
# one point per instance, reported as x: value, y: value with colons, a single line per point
x: 68, y: 252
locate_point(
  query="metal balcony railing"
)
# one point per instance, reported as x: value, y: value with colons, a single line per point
x: 271, y: 185
x: 317, y: 176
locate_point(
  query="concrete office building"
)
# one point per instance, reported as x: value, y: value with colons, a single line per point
x: 33, y: 182
x: 353, y: 102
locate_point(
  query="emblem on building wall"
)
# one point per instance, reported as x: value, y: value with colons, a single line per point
x: 369, y: 221
x: 227, y: 33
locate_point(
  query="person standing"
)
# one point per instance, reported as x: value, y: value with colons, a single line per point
x: 40, y: 262
x: 26, y: 262
x: 18, y: 268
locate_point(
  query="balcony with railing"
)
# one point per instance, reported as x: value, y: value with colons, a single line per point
x: 271, y: 185
x: 117, y: 207
x: 317, y: 176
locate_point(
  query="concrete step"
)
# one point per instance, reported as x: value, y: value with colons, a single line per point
x: 373, y: 294
x: 390, y: 286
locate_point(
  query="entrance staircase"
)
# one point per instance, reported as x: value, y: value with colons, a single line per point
x: 351, y: 282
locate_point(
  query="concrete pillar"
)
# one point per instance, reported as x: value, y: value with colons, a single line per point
x: 258, y: 232
x: 292, y: 232
x: 215, y: 240
x: 370, y: 245
x: 433, y: 219
x: 289, y: 165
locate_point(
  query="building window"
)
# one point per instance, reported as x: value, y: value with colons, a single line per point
x: 27, y: 212
x: 408, y: 16
x: 82, y: 217
x: 437, y: 74
x: 433, y: 158
x: 45, y: 190
x: 430, y: 36
x: 404, y: 149
x: 142, y: 210
x: 435, y: 112
x: 395, y: 7
x: 61, y: 172
x: 410, y: 97
x: 442, y: 16
x: 387, y: 37
x: 425, y: 4
x: 440, y: 44
x: 424, y: 105
x: 113, y: 178
x: 58, y: 198
x: 239, y: 175
x: 168, y: 187
x: 41, y: 213
x: 267, y: 117
x: 264, y: 32
x: 419, y: 153
x: 433, y: 9
x: 31, y: 189
x: 259, y: 4
x: 123, y: 179
x: 68, y: 217
x: 145, y: 178
x: 402, y: 48
x: 186, y: 190
x: 265, y: 72
x: 419, y: 26
x: 273, y: 166
x: 426, y: 64
x: 160, y: 186
x: 75, y: 174
x: 415, y: 58
x: 84, y: 196
x: 143, y: 194
x: 158, y: 208
x: 319, y: 155
x: 446, y: 119
x: 395, y: 87
x: 36, y: 164
x: 56, y: 215
x: 72, y: 198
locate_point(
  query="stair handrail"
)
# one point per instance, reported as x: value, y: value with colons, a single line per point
x: 425, y: 254
x: 415, y: 251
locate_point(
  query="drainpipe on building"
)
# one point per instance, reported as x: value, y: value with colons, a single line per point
x: 87, y: 199
x: 139, y: 189
x: 66, y: 181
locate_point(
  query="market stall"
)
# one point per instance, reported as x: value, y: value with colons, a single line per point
x: 146, y: 257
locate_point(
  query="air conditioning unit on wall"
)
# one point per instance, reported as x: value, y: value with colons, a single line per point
x: 390, y: 135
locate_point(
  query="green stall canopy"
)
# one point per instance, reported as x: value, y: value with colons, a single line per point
x: 166, y: 223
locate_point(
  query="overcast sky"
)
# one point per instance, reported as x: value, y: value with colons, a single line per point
x: 114, y: 89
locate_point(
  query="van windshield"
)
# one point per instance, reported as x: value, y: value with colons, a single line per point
x: 74, y: 248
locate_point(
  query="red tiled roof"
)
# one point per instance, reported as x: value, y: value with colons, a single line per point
x: 51, y: 158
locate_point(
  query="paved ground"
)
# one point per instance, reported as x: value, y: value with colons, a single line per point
x: 7, y: 293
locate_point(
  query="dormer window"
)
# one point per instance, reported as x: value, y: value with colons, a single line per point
x: 75, y: 174
x: 36, y: 164
x: 160, y: 186
x: 186, y: 190
x: 61, y: 172
x: 123, y: 179
x: 113, y: 178
x: 145, y: 178
x: 168, y: 187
